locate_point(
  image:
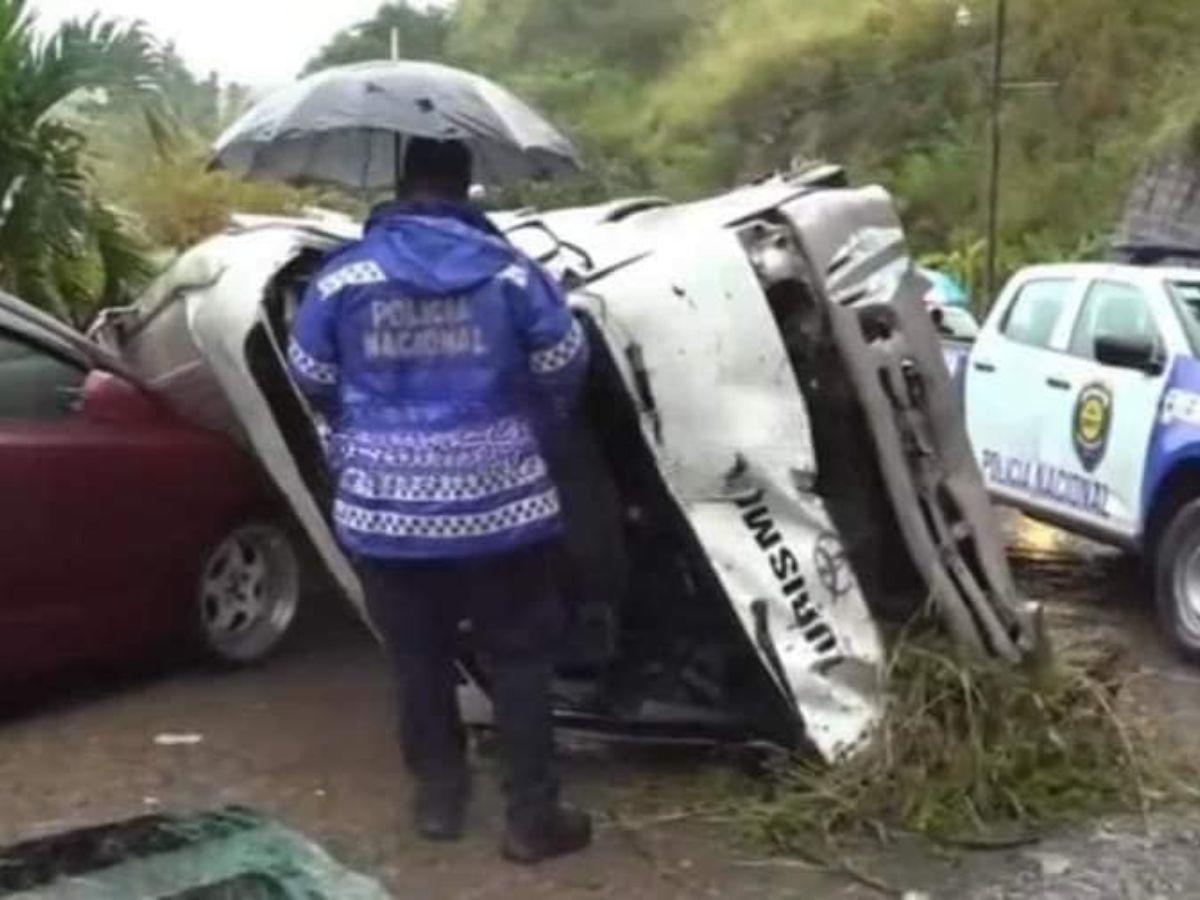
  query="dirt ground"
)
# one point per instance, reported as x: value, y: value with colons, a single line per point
x: 308, y: 740
x: 1086, y: 588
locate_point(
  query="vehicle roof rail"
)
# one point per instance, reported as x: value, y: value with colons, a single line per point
x: 633, y: 206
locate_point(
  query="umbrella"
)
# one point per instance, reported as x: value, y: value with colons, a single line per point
x: 348, y: 126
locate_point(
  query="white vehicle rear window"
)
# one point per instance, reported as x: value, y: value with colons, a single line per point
x: 1035, y: 311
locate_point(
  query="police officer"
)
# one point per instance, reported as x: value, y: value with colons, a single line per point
x: 440, y: 354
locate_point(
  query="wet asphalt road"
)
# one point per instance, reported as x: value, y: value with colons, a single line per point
x: 308, y: 740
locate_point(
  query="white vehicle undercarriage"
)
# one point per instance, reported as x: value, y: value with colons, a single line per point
x: 768, y: 462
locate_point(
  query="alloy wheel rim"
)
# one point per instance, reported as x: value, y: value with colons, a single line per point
x: 1187, y: 591
x: 249, y: 592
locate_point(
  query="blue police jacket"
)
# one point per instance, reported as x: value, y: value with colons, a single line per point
x: 436, y: 350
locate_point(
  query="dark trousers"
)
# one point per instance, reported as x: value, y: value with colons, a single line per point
x: 516, y: 617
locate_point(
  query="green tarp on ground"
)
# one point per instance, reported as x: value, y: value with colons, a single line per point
x: 234, y: 854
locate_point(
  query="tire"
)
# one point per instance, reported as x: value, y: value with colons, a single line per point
x: 1177, y: 581
x: 247, y: 595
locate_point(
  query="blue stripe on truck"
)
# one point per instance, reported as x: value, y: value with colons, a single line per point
x: 1175, y: 438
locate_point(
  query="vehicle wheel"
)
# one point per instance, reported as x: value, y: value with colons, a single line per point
x: 1177, y: 580
x: 248, y: 595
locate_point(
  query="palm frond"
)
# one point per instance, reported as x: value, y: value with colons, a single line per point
x: 16, y: 38
x: 94, y: 54
x: 168, y: 136
x: 60, y: 248
x: 124, y: 256
x: 27, y: 270
x: 45, y: 219
x: 51, y: 203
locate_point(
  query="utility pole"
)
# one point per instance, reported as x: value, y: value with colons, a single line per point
x: 997, y: 103
x: 397, y: 140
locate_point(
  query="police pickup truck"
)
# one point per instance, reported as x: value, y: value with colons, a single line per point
x: 1082, y: 397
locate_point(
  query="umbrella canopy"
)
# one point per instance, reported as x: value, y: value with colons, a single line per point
x: 348, y: 126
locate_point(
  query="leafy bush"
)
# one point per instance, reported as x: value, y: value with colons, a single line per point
x: 168, y: 187
x: 975, y: 752
x: 422, y: 34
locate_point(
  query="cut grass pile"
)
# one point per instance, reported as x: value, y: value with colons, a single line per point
x: 978, y: 753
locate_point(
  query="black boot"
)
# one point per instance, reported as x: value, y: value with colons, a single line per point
x: 439, y: 812
x: 556, y: 832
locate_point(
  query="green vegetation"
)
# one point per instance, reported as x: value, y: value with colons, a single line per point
x: 164, y: 185
x: 167, y: 187
x: 682, y: 97
x: 977, y: 754
x: 103, y: 144
x: 422, y: 35
x: 61, y: 246
x: 691, y: 96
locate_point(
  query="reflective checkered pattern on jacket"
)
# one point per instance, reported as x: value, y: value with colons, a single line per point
x: 505, y: 442
x: 310, y: 367
x: 558, y: 357
x: 443, y: 488
x: 511, y: 516
x: 355, y: 273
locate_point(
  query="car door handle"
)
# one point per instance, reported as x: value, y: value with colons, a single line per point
x: 984, y: 367
x: 1058, y: 384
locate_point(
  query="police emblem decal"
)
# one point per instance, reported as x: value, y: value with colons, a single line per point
x: 1091, y: 423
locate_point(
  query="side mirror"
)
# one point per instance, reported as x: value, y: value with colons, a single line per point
x: 1136, y: 353
x: 111, y: 399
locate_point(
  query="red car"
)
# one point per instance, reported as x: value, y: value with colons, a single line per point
x: 124, y: 529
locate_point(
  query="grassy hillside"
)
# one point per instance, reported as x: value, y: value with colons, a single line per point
x: 896, y: 90
x: 687, y: 97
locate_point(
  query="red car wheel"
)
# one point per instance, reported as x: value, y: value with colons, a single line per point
x: 249, y: 593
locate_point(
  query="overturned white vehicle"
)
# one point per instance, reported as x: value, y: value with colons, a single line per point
x: 769, y: 460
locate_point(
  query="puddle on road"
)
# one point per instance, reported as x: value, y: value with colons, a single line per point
x: 1051, y: 565
x: 1090, y: 590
